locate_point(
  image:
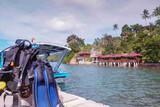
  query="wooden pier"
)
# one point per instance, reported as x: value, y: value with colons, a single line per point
x: 119, y: 60
x: 70, y: 100
x: 116, y: 60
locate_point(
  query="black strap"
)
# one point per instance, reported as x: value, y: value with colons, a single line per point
x: 28, y: 60
x: 15, y: 100
x: 11, y: 56
x: 50, y: 72
x: 61, y: 104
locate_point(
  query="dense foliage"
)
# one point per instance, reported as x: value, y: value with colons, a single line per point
x: 133, y: 38
x: 143, y: 39
x: 76, y: 44
x: 68, y: 58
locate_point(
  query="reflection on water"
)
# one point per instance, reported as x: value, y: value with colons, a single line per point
x: 117, y: 87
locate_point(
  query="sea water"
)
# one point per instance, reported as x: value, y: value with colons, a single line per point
x: 117, y: 87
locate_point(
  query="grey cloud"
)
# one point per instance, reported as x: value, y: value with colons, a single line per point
x: 46, y: 19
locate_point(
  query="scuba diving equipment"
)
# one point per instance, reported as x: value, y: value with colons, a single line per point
x: 16, y: 60
x: 39, y: 93
x: 44, y: 81
x: 25, y: 91
x: 51, y: 87
x: 10, y: 56
x: 2, y: 85
x: 21, y: 63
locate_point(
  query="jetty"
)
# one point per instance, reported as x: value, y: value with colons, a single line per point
x: 70, y: 100
x: 119, y: 60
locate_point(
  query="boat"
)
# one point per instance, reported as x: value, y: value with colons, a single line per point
x: 59, y: 53
x: 61, y: 74
x: 1, y: 60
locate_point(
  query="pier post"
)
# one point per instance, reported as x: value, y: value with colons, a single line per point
x: 118, y: 64
x: 129, y: 64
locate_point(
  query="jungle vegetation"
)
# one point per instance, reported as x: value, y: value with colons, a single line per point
x: 144, y: 39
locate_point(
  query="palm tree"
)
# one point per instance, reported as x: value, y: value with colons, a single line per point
x: 156, y: 12
x: 115, y: 27
x: 145, y: 15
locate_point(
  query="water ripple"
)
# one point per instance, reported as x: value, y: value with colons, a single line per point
x: 118, y: 87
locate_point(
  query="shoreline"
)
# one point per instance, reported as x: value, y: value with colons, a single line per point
x: 149, y: 65
x: 140, y: 65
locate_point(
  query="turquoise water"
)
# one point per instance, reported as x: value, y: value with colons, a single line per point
x: 117, y: 87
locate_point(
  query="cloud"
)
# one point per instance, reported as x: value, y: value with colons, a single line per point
x: 54, y: 20
x: 89, y: 3
x: 65, y: 24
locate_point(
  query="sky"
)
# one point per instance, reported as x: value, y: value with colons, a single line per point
x: 55, y: 20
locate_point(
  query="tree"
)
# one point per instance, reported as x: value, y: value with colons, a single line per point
x: 126, y: 30
x: 151, y: 26
x: 145, y: 15
x: 152, y: 49
x: 115, y: 27
x: 156, y: 12
x: 136, y: 28
x: 96, y: 41
x: 75, y: 43
x: 86, y: 48
x: 75, y: 38
x: 158, y: 22
x: 107, y: 44
x: 71, y: 38
x: 109, y: 49
x: 106, y: 39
